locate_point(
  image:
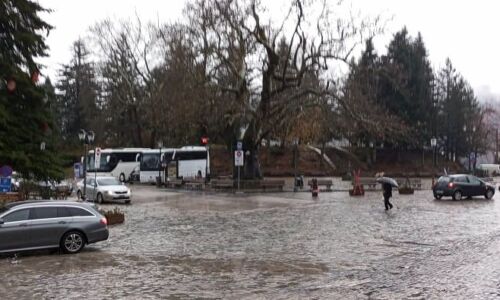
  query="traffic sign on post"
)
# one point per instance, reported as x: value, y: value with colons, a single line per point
x: 97, y: 162
x: 238, y: 158
x: 5, y: 184
x: 239, y: 145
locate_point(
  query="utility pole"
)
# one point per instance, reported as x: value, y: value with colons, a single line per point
x: 496, y: 147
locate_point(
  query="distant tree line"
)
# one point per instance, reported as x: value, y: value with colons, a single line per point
x: 424, y: 103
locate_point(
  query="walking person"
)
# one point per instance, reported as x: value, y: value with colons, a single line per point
x: 387, y: 195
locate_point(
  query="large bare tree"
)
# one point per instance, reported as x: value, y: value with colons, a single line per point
x: 243, y: 54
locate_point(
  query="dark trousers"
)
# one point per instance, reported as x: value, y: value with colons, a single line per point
x: 387, y: 204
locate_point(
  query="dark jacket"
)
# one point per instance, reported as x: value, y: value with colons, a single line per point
x: 387, y: 189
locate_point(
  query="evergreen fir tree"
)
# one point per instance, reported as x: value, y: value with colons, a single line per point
x: 26, y: 123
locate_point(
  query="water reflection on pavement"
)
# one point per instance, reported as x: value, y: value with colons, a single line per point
x: 279, y: 246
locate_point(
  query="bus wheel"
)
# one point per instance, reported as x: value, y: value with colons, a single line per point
x: 122, y: 177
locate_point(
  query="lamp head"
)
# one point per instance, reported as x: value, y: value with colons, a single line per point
x: 81, y: 135
x: 90, y: 136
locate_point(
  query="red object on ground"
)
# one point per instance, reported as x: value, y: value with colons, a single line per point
x: 314, y: 188
x: 357, y: 189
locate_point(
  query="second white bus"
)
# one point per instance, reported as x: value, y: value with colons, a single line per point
x: 188, y: 161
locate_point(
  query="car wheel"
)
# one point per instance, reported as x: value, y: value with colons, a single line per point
x: 72, y: 242
x: 122, y: 177
x: 457, y: 195
x: 79, y: 195
x: 489, y: 194
x: 438, y: 196
x: 99, y: 198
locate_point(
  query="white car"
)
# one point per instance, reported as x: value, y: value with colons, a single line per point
x: 100, y: 189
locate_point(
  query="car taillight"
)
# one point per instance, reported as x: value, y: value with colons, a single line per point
x: 104, y: 221
x: 450, y: 185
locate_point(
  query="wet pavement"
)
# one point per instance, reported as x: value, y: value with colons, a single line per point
x: 276, y: 246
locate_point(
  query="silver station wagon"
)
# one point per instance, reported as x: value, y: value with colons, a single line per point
x: 32, y: 225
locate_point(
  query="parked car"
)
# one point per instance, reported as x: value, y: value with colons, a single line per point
x: 42, y: 224
x: 104, y: 188
x: 460, y: 185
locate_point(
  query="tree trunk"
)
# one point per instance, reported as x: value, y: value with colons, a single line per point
x: 138, y: 127
x: 323, y: 145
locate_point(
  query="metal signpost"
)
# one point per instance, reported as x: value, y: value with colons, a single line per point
x: 204, y: 141
x: 97, y: 158
x: 5, y: 179
x: 5, y: 184
x: 97, y: 165
x: 238, y: 162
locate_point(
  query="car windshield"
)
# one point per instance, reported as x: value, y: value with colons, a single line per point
x: 108, y: 181
x: 444, y: 179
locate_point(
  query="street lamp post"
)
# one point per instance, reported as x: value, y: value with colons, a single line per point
x: 433, y: 145
x: 472, y: 139
x: 87, y: 137
x: 160, y: 145
x: 469, y: 135
x: 295, y: 145
x: 204, y: 141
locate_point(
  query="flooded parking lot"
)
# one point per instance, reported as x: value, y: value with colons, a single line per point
x: 280, y: 246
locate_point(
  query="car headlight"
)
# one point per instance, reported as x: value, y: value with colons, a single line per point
x: 128, y: 192
x: 109, y: 192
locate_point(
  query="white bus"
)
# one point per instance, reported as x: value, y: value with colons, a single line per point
x: 118, y: 162
x: 189, y: 161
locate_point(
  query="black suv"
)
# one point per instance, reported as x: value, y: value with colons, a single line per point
x: 460, y: 185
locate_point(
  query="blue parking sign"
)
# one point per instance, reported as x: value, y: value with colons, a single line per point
x: 5, y: 184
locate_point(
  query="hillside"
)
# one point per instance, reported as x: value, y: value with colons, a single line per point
x: 279, y: 162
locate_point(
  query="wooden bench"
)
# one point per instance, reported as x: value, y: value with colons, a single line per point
x: 272, y: 184
x: 322, y: 182
x: 62, y: 192
x: 222, y: 183
x: 194, y: 184
x: 415, y: 183
x: 175, y: 182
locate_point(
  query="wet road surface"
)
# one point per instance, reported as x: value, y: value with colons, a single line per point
x: 276, y: 246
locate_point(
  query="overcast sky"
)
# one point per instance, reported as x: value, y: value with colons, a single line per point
x: 464, y: 31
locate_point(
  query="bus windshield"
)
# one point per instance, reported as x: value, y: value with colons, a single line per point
x: 150, y: 161
x: 107, y: 164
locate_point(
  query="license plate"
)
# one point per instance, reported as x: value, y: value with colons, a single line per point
x: 439, y: 192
